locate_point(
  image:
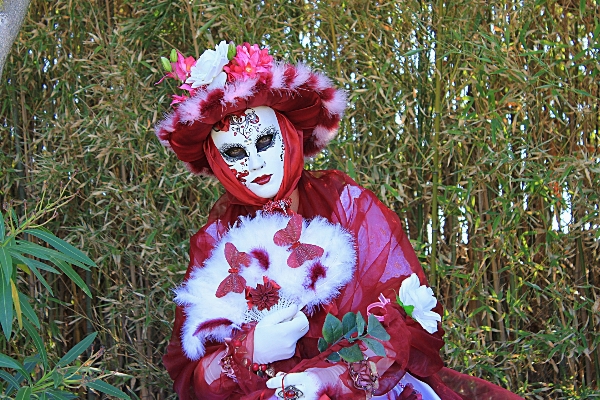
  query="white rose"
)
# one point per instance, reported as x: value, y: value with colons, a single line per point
x: 421, y: 297
x: 209, y: 66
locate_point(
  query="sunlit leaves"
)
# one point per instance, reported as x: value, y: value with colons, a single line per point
x: 61, y: 377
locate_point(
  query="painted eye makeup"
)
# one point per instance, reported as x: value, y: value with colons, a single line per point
x: 233, y: 152
x: 266, y: 140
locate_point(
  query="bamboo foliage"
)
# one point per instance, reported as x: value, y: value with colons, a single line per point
x: 513, y: 85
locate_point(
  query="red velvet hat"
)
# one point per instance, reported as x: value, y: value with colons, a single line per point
x: 230, y: 79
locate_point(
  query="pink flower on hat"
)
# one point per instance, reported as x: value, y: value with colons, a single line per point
x: 180, y: 69
x: 249, y: 62
x: 183, y: 66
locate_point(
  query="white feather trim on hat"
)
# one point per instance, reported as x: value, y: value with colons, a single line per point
x: 287, y: 86
x: 315, y: 282
x: 278, y: 71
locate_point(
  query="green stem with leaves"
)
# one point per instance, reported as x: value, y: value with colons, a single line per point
x: 352, y: 328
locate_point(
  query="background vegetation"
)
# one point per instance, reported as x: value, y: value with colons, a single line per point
x: 476, y: 121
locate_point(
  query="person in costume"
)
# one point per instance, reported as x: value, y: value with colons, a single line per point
x: 284, y: 248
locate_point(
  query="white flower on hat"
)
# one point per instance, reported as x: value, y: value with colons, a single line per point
x: 209, y: 67
x: 418, y: 301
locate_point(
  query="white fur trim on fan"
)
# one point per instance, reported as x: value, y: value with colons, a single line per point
x: 197, y: 294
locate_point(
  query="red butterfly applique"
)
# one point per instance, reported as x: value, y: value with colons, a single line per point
x: 234, y: 282
x: 300, y: 252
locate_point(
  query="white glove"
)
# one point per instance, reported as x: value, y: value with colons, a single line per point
x: 275, y: 336
x: 306, y: 382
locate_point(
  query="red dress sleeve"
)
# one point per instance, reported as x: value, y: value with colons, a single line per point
x: 385, y: 258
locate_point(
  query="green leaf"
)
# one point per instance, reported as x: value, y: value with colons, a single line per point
x: 70, y: 375
x: 2, y: 227
x: 37, y: 274
x: 33, y: 249
x: 64, y: 257
x: 9, y: 378
x: 407, y: 309
x: 374, y: 345
x: 6, y: 263
x: 28, y: 310
x: 166, y: 64
x: 24, y: 393
x: 360, y: 324
x: 29, y: 364
x: 322, y: 344
x: 34, y: 264
x: 145, y: 64
x: 45, y: 253
x: 376, y: 330
x: 206, y: 26
x: 74, y: 276
x: 77, y: 350
x: 496, y: 126
x: 334, y: 357
x: 348, y: 324
x: 7, y: 362
x: 57, y: 378
x: 351, y: 171
x: 61, y: 246
x: 6, y: 306
x: 38, y: 342
x: 583, y: 92
x: 332, y: 329
x: 15, y: 298
x: 411, y: 52
x: 107, y: 388
x: 60, y: 395
x: 351, y: 354
x: 150, y: 238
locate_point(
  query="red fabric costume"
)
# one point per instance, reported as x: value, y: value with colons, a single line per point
x: 385, y: 258
x: 308, y: 112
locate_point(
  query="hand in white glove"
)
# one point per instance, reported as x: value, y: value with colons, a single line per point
x: 275, y: 336
x: 306, y: 382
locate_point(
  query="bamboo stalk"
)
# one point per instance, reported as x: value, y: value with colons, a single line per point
x: 494, y: 264
x: 139, y: 337
x: 483, y: 266
x: 192, y: 27
x: 18, y: 145
x: 109, y: 23
x: 435, y: 140
x: 420, y: 216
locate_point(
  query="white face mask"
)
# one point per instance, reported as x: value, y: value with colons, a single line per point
x: 253, y: 149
